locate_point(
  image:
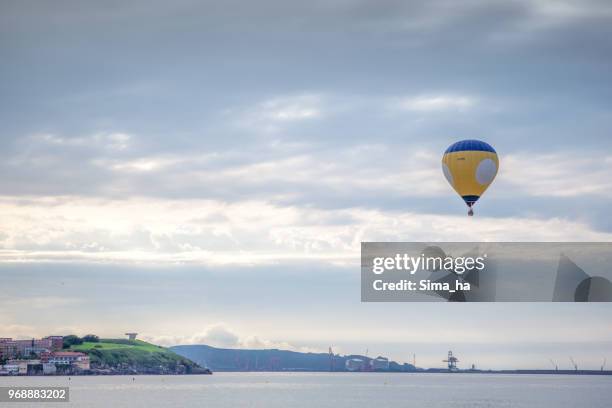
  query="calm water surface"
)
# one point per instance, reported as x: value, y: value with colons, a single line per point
x: 338, y: 390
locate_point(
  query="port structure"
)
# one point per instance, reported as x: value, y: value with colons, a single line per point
x: 554, y: 364
x: 574, y: 364
x: 451, y: 361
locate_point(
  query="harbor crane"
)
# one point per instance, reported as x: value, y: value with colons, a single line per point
x: 574, y: 364
x: 554, y: 364
x: 603, y: 365
x: 451, y: 361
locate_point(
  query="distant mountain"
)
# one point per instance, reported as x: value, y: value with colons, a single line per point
x: 220, y: 359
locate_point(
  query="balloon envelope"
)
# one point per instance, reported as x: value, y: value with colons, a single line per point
x: 470, y: 167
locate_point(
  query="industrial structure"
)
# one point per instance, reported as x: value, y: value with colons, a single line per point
x: 355, y: 364
x: 131, y: 336
x: 332, y: 365
x: 451, y: 361
x: 574, y: 363
x: 380, y: 364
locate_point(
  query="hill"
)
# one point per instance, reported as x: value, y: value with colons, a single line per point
x: 220, y: 359
x: 135, y: 357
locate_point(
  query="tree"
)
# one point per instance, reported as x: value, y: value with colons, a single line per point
x: 91, y: 338
x: 71, y: 339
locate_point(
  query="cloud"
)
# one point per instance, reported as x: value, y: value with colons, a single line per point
x: 273, y: 114
x: 98, y: 203
x: 213, y: 232
x: 290, y: 108
x: 437, y: 103
x: 298, y: 173
x: 38, y: 302
x: 114, y: 140
x: 280, y: 170
x: 558, y: 12
x: 220, y: 335
x: 18, y: 331
x: 117, y: 141
x: 145, y: 164
x: 217, y: 336
x: 559, y: 174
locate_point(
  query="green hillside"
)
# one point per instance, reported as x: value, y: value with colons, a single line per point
x: 135, y: 356
x: 113, y: 344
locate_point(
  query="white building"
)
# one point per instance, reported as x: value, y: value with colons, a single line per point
x: 11, y: 369
x: 74, y: 358
x: 355, y: 364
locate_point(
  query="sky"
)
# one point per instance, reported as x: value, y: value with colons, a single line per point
x: 204, y: 172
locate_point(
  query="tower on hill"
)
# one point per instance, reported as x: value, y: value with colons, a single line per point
x: 131, y: 336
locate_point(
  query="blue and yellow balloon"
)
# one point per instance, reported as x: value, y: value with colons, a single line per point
x: 470, y: 167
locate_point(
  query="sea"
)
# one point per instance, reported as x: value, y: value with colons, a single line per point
x: 337, y: 390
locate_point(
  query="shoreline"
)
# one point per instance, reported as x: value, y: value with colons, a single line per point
x: 431, y: 371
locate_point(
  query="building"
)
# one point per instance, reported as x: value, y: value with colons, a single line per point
x: 21, y: 367
x: 355, y: 364
x: 26, y: 348
x: 34, y: 351
x: 72, y: 358
x: 10, y: 348
x: 57, y: 342
x: 49, y: 368
x: 11, y: 369
x: 47, y: 364
x: 380, y: 364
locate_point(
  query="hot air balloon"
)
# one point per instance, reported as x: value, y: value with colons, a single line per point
x: 470, y: 167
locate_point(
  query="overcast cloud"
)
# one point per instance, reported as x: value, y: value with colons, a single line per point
x: 274, y: 134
